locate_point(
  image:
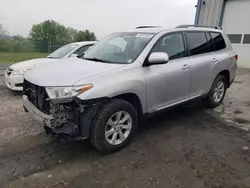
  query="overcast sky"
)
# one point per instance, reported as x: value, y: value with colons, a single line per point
x: 100, y: 16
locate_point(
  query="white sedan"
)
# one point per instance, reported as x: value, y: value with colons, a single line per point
x: 14, y: 74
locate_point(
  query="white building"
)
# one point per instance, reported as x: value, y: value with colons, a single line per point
x: 234, y: 18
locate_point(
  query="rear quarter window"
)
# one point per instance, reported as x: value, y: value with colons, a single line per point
x: 218, y: 40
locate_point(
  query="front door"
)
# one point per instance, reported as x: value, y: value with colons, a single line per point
x: 168, y: 84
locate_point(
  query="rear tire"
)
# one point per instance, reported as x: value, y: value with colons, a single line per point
x: 108, y: 134
x: 217, y: 92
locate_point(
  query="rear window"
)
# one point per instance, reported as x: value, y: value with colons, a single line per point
x: 218, y: 41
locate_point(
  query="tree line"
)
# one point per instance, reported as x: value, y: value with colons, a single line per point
x: 43, y: 37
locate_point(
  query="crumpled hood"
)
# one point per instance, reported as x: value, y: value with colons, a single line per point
x: 30, y: 62
x: 67, y: 72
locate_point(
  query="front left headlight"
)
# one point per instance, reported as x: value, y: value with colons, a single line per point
x: 21, y: 71
x: 66, y: 92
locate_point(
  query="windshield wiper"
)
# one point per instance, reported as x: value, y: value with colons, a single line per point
x: 98, y: 60
x: 50, y: 57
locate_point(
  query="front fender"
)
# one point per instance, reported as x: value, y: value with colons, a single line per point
x: 114, y: 88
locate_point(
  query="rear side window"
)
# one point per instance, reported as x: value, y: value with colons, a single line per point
x: 198, y: 43
x: 218, y: 41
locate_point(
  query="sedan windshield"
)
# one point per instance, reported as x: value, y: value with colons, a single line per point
x: 63, y: 51
x: 119, y: 47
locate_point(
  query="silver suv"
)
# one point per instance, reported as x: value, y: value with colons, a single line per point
x: 128, y: 75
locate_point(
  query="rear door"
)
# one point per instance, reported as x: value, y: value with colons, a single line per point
x: 201, y: 56
x: 223, y: 56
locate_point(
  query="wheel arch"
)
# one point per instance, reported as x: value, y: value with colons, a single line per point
x: 226, y: 74
x: 133, y: 99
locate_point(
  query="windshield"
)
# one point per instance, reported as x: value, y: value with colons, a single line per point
x: 119, y: 47
x: 61, y: 52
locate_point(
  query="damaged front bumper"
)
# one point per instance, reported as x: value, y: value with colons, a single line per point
x: 40, y: 117
x: 72, y: 123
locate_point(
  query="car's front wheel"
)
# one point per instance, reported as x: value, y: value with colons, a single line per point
x: 114, y: 125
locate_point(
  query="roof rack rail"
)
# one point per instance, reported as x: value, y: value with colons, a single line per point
x: 187, y: 26
x: 146, y: 26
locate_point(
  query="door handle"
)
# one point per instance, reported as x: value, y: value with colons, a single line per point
x: 185, y: 66
x: 214, y: 60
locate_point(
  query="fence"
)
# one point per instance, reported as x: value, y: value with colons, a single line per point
x: 28, y: 46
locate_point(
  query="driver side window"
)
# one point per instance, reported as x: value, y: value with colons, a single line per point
x: 81, y: 50
x: 172, y: 44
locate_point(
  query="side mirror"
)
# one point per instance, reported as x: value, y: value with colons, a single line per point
x: 158, y: 58
x: 73, y: 55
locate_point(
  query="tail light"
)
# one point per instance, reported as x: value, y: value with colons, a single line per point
x: 236, y: 57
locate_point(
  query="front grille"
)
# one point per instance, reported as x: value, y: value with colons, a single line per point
x: 9, y: 71
x: 37, y: 96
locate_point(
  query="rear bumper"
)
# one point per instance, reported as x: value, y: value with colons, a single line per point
x: 233, y: 70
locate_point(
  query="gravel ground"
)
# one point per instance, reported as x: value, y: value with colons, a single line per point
x: 236, y: 105
x: 182, y: 148
x: 13, y: 120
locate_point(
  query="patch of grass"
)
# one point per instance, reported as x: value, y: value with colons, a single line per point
x: 6, y: 58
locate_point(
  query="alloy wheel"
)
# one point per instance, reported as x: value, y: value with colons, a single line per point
x: 118, y: 128
x: 218, y: 91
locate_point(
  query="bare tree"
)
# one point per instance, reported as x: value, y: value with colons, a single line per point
x: 2, y: 30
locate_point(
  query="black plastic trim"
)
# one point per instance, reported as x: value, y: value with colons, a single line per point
x: 91, y: 102
x: 19, y: 85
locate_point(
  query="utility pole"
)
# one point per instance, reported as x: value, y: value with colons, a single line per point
x: 49, y: 45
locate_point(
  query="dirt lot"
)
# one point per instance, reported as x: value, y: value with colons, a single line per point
x: 186, y: 147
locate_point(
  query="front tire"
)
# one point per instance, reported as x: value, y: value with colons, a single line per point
x: 217, y: 92
x: 114, y: 125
